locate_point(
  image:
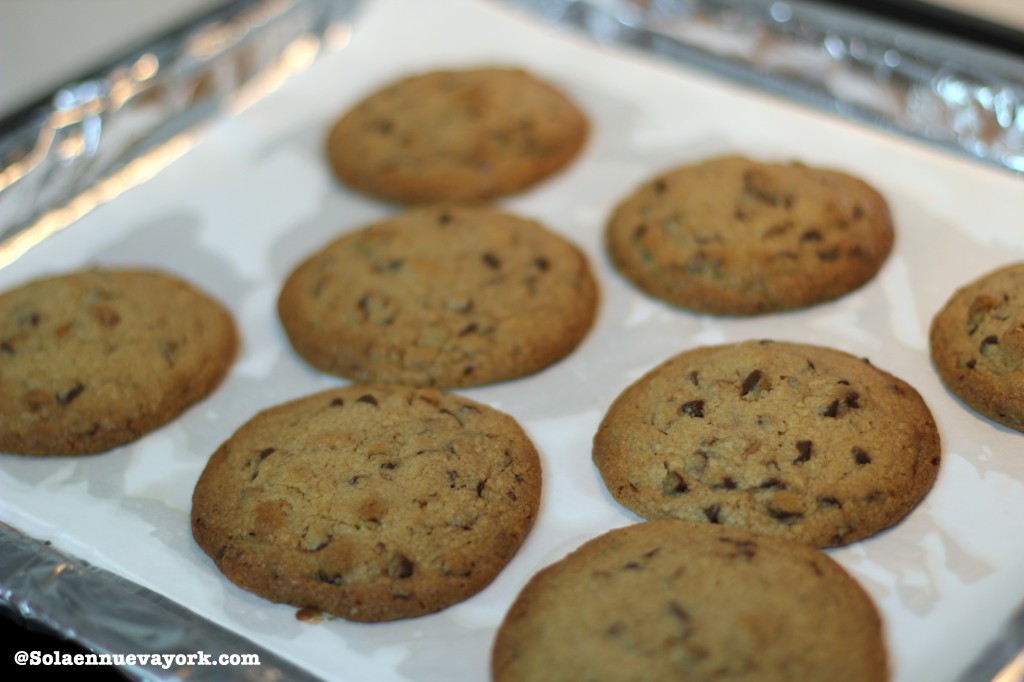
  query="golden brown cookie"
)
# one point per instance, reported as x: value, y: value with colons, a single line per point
x: 370, y: 502
x: 798, y: 441
x: 977, y: 345
x: 731, y: 236
x: 672, y: 600
x: 442, y: 296
x: 94, y: 359
x: 456, y: 136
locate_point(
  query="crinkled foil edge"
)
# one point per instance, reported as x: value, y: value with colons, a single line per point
x: 98, y: 137
x: 47, y: 591
x: 958, y: 96
x: 101, y: 136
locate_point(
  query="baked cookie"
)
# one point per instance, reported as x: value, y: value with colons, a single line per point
x: 456, y: 136
x: 731, y: 236
x: 977, y: 345
x: 442, y: 296
x: 370, y: 502
x: 93, y: 359
x: 792, y: 440
x: 671, y: 600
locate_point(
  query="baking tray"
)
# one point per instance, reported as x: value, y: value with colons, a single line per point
x: 237, y: 200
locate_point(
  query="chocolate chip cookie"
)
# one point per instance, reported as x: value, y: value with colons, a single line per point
x: 371, y: 502
x: 732, y: 236
x: 442, y: 296
x: 456, y: 136
x: 977, y: 345
x: 798, y: 441
x: 93, y: 359
x: 672, y: 600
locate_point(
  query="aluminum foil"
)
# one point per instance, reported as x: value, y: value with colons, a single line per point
x: 55, y: 163
x: 50, y: 591
x: 58, y: 164
x: 959, y: 97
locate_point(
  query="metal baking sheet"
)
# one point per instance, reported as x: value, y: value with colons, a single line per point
x: 250, y: 196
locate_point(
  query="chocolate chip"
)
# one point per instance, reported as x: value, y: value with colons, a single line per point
x: 832, y: 410
x: 772, y: 484
x: 751, y: 382
x: 679, y: 612
x: 69, y: 395
x: 783, y: 515
x: 829, y: 501
x: 337, y: 402
x: 491, y: 261
x: 804, y: 448
x: 694, y: 378
x: 811, y: 236
x: 713, y: 513
x: 694, y: 408
x: 400, y: 567
x: 267, y: 453
x: 860, y: 456
x: 674, y: 484
x: 329, y: 578
x: 320, y: 545
x: 368, y: 399
x: 390, y: 266
x: 480, y: 488
x: 542, y: 263
x: 743, y: 549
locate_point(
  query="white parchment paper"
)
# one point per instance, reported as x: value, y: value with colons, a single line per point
x: 239, y: 211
